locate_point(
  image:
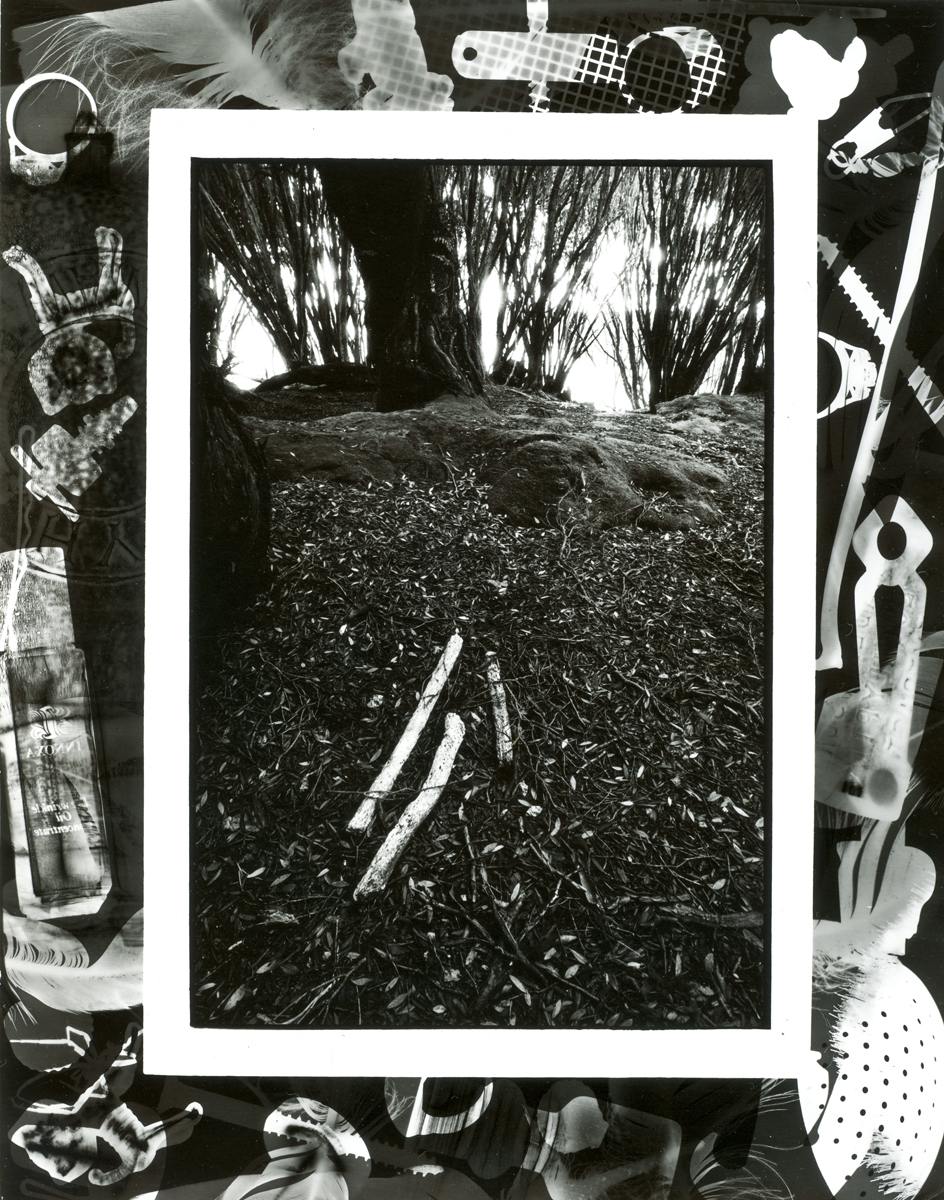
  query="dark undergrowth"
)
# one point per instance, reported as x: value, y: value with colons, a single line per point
x: 614, y: 876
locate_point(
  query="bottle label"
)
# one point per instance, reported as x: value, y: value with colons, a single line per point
x: 49, y: 734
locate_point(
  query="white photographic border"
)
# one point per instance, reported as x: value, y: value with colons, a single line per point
x: 175, y: 1047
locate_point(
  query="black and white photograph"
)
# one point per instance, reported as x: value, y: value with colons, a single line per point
x: 480, y: 594
x: 471, y: 599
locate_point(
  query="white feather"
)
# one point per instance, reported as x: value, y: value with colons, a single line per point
x: 55, y: 967
x: 195, y: 54
x: 213, y: 38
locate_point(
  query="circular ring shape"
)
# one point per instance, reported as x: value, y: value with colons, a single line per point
x: 18, y: 95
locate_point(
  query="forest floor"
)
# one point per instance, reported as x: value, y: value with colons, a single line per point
x: 614, y: 876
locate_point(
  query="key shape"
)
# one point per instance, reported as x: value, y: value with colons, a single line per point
x: 542, y: 58
x: 536, y: 57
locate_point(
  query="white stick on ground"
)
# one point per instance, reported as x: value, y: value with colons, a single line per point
x: 499, y: 707
x: 363, y: 819
x: 377, y: 875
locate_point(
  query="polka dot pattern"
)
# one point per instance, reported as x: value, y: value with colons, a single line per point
x: 882, y: 1111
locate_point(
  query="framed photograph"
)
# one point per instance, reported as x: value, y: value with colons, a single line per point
x: 430, y: 593
x: 520, y: 483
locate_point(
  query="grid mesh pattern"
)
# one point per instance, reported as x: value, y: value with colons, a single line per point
x: 389, y: 47
x: 668, y: 83
x: 599, y: 84
x: 656, y: 76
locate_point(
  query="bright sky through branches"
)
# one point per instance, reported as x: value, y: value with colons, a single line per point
x: 620, y: 277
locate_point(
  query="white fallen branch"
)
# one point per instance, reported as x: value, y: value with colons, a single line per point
x: 499, y: 707
x: 363, y: 819
x: 377, y: 875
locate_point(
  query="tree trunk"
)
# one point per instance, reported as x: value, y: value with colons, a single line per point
x: 753, y: 377
x: 230, y: 522
x: 732, y: 366
x: 301, y: 272
x: 655, y: 385
x: 753, y: 380
x: 418, y: 338
x: 230, y: 513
